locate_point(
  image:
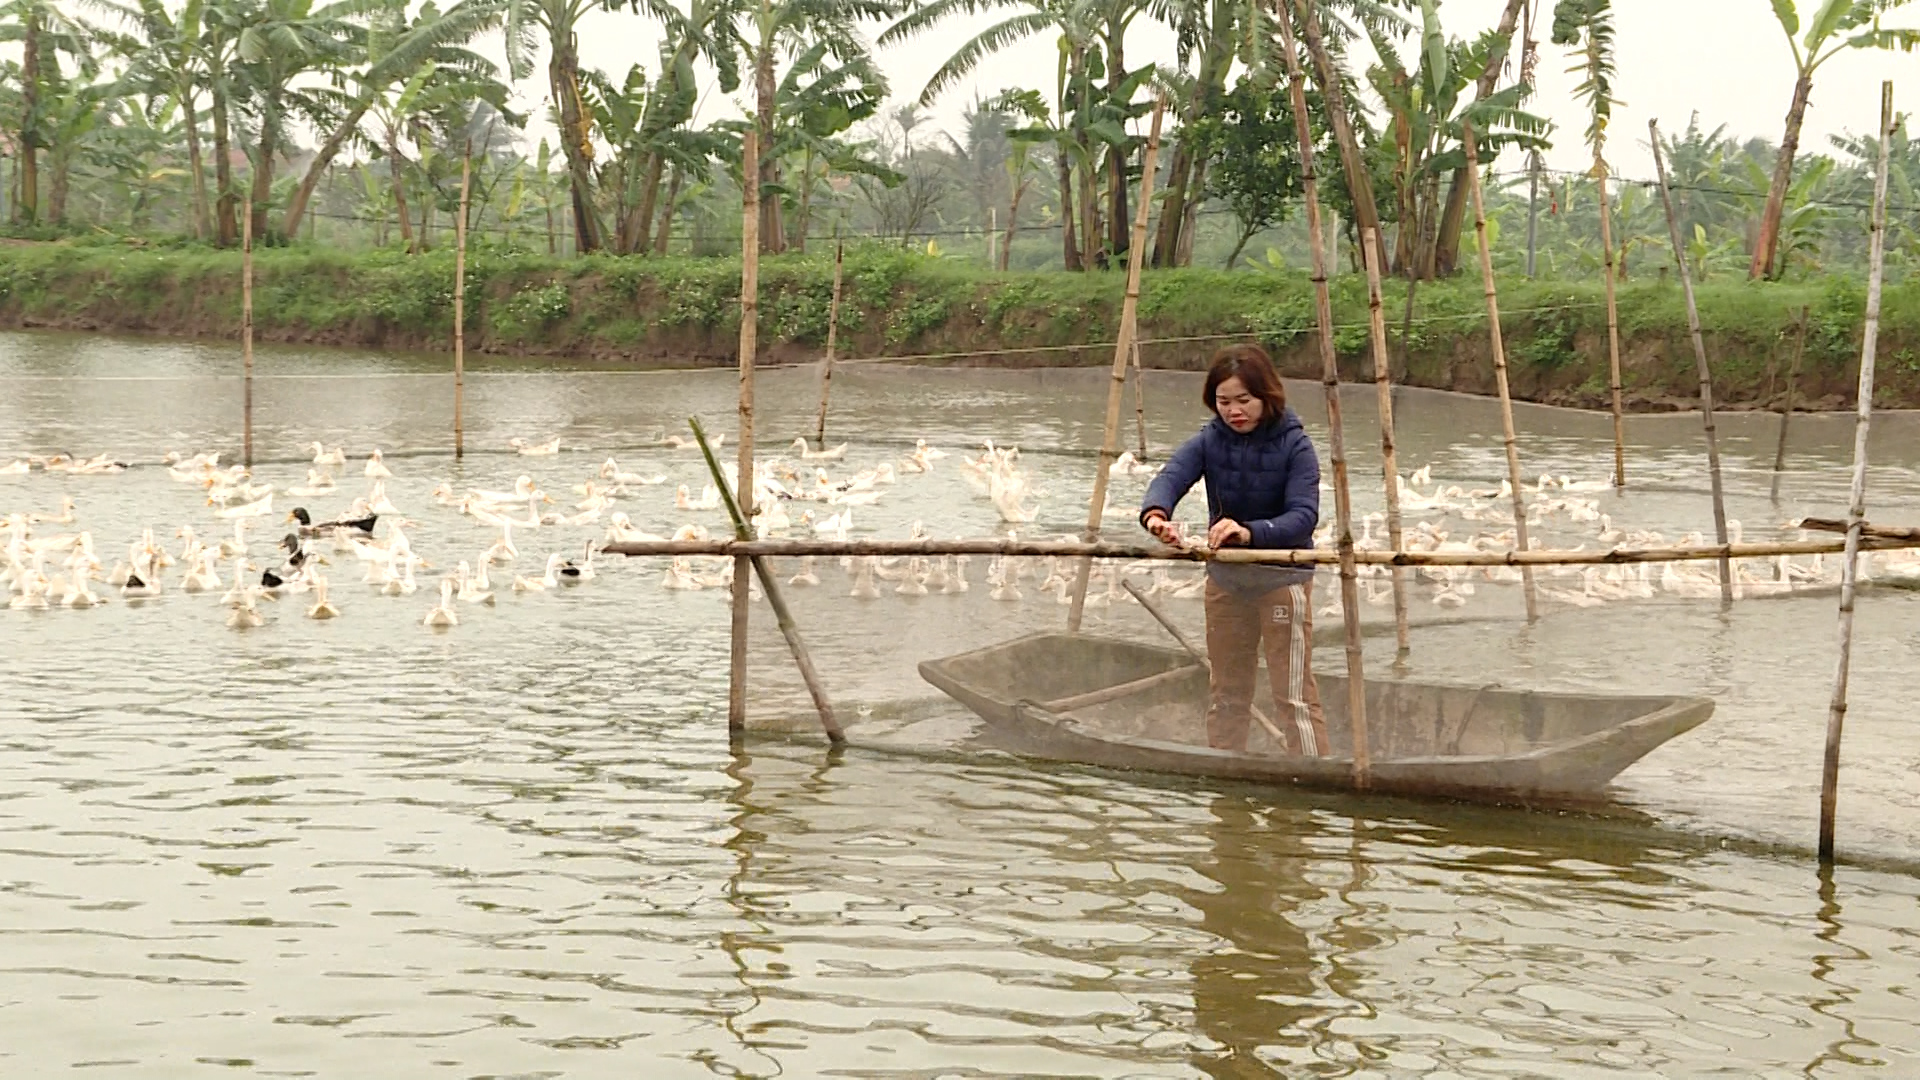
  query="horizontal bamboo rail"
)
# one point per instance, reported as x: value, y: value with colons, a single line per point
x: 1878, y: 532
x: 1078, y: 549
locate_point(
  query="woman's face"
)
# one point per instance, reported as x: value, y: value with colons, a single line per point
x: 1241, y: 410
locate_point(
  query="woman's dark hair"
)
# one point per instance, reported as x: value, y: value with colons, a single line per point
x: 1249, y: 364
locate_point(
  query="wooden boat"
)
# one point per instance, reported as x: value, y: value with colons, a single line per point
x: 1121, y: 704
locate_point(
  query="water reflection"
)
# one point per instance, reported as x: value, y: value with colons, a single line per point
x: 1255, y: 990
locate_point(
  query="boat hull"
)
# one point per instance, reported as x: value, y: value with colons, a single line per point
x: 1119, y: 704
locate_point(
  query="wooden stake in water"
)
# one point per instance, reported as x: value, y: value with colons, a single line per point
x: 1139, y: 398
x: 460, y: 310
x: 749, y: 341
x: 1613, y: 327
x: 1857, y: 507
x: 1700, y: 362
x: 1786, y: 406
x: 1336, y: 437
x: 833, y: 331
x: 1122, y: 350
x: 246, y: 334
x: 769, y: 584
x: 1500, y: 369
x: 1389, y: 460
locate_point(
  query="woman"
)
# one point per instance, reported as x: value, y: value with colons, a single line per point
x: 1263, y: 491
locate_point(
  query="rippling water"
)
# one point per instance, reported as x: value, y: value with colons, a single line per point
x: 522, y: 848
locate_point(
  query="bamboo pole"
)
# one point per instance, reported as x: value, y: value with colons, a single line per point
x: 1786, y: 407
x: 789, y: 629
x: 833, y: 333
x: 1874, y: 539
x: 1123, y: 348
x: 246, y: 335
x: 1857, y: 506
x: 1336, y: 435
x: 749, y: 340
x: 1700, y: 361
x: 460, y: 309
x: 1389, y: 459
x: 1500, y: 368
x: 1139, y: 399
x: 1613, y: 328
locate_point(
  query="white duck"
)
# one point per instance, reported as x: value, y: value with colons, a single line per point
x: 551, y: 446
x: 441, y: 617
x: 377, y: 468
x: 322, y: 608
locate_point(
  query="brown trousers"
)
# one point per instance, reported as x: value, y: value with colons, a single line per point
x: 1237, y: 627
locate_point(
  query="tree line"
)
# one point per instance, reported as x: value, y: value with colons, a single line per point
x: 180, y: 117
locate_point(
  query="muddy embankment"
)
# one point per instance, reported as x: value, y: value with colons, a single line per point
x: 681, y: 312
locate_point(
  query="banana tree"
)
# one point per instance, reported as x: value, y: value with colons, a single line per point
x: 396, y: 48
x: 1837, y: 26
x: 674, y: 97
x: 43, y: 31
x: 817, y: 99
x: 1427, y: 109
x: 166, y: 54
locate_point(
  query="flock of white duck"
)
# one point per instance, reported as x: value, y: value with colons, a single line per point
x: 49, y: 562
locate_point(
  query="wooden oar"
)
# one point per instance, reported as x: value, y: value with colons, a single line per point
x: 1160, y: 617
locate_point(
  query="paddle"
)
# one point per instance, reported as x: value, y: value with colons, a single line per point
x: 1160, y: 617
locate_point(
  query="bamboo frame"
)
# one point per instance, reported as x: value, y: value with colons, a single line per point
x: 1872, y: 540
x: 1613, y: 327
x: 1389, y: 459
x: 833, y: 334
x: 246, y: 335
x: 1857, y: 506
x: 789, y: 629
x: 749, y: 340
x: 1129, y: 317
x: 460, y: 310
x: 1786, y: 407
x: 1500, y: 369
x: 1336, y: 434
x: 1699, y: 359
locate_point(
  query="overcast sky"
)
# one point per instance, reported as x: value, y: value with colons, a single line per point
x: 1726, y: 59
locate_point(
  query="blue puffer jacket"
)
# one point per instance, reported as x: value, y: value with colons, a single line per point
x: 1267, y: 480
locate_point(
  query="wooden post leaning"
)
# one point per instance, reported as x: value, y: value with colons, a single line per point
x: 1857, y: 505
x: 1700, y: 361
x: 246, y: 336
x: 1786, y: 407
x: 1336, y: 436
x: 1123, y: 348
x: 1613, y: 326
x: 749, y: 341
x: 1389, y: 459
x: 789, y: 629
x: 1521, y: 540
x: 833, y: 334
x: 460, y: 309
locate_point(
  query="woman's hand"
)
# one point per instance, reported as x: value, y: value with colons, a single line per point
x: 1228, y: 533
x: 1167, y: 532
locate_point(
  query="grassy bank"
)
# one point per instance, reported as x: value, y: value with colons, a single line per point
x: 662, y: 312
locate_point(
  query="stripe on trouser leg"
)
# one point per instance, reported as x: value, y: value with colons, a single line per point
x: 1297, y: 672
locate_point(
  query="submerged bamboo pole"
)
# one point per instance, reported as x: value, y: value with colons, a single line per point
x: 833, y: 334
x: 1139, y: 399
x: 1389, y: 460
x: 749, y: 340
x: 460, y: 310
x: 1786, y: 407
x: 1700, y: 361
x: 789, y: 629
x: 1123, y: 348
x: 1857, y: 506
x: 1613, y: 325
x: 246, y: 335
x: 1521, y: 540
x: 1336, y: 436
x: 1874, y: 539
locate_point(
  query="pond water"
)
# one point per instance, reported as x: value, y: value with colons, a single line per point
x: 523, y: 848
